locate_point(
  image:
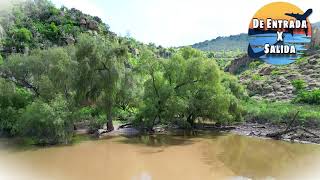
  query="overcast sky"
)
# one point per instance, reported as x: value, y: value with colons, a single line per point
x: 178, y: 22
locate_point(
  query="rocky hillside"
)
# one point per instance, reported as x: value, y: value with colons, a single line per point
x: 40, y: 25
x: 271, y: 82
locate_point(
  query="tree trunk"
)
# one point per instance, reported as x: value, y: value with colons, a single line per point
x: 190, y: 120
x: 109, y: 122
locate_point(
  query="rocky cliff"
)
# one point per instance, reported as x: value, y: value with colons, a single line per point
x: 275, y: 82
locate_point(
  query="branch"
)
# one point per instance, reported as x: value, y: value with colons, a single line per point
x: 103, y: 68
x: 21, y: 82
x: 185, y: 83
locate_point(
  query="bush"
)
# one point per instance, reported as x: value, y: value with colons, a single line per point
x: 309, y: 97
x: 47, y: 123
x: 299, y: 85
x: 12, y: 102
x: 23, y: 35
x: 255, y: 64
x: 85, y: 113
x: 280, y: 112
x: 96, y: 123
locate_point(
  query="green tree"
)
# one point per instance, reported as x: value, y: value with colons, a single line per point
x: 187, y: 87
x: 100, y: 71
x: 45, y: 72
x: 47, y: 123
x: 12, y: 101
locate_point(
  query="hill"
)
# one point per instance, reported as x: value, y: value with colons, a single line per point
x: 229, y: 43
x: 39, y: 24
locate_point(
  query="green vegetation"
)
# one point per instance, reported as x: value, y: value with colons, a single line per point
x: 54, y: 82
x: 188, y: 87
x: 304, y: 95
x: 12, y: 102
x: 223, y: 57
x: 47, y: 123
x: 60, y: 67
x: 299, y: 85
x: 281, y: 112
x: 308, y: 97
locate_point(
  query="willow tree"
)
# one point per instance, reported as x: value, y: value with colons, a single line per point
x: 185, y: 88
x: 100, y: 71
x: 45, y: 72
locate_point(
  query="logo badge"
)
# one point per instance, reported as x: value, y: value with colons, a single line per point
x: 279, y: 33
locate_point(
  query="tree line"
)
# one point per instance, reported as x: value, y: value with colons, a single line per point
x: 45, y: 92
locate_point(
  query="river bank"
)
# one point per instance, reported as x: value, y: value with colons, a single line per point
x: 266, y: 130
x: 263, y: 130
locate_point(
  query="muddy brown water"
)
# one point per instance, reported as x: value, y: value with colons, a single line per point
x: 163, y: 157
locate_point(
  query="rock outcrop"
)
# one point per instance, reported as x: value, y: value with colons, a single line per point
x: 275, y: 82
x: 238, y: 64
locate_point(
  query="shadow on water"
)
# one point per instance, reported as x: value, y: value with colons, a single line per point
x: 23, y: 144
x: 177, y: 138
x: 257, y: 158
x: 172, y: 139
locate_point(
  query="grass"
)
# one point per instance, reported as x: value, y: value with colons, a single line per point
x: 281, y: 112
x: 258, y: 77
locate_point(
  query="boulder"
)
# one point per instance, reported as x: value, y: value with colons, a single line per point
x: 267, y: 89
x: 238, y: 63
x: 282, y: 80
x: 314, y: 85
x: 315, y: 76
x: 283, y: 89
x: 292, y: 76
x: 93, y: 25
x: 83, y: 22
x: 312, y: 61
x: 266, y: 70
x: 270, y: 95
x: 70, y: 40
x: 255, y: 86
x: 276, y: 86
x: 289, y: 88
x: 308, y: 72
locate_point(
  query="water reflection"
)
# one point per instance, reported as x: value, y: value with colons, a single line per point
x: 187, y: 157
x: 157, y: 140
x: 257, y: 158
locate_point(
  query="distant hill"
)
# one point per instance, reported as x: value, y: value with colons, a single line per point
x: 229, y: 43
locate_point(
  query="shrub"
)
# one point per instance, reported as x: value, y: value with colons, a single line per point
x: 299, y: 85
x: 255, y: 64
x: 96, y: 123
x: 12, y: 102
x: 23, y: 35
x: 47, y: 123
x: 257, y: 77
x: 275, y: 72
x: 309, y: 97
x: 280, y: 112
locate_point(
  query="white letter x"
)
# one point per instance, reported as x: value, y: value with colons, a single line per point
x: 279, y: 36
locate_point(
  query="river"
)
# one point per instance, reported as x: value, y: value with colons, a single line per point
x: 164, y: 157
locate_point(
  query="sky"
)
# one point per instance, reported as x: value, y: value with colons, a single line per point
x: 172, y: 23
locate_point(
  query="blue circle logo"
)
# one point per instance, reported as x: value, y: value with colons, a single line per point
x: 279, y: 33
